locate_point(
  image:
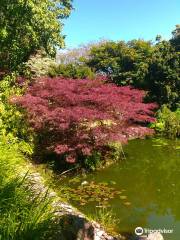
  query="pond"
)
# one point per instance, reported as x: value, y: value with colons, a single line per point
x: 142, y: 190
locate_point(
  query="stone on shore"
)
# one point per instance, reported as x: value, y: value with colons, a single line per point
x: 155, y: 236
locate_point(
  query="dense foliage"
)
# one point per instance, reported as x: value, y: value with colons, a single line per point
x: 163, y: 75
x: 38, y: 65
x: 76, y: 118
x: 168, y: 122
x: 13, y: 128
x: 124, y: 63
x: 27, y: 26
x: 142, y: 64
x: 70, y: 70
x: 175, y: 41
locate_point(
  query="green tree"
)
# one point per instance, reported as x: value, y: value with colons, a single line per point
x: 114, y: 59
x: 143, y: 54
x: 71, y: 70
x: 163, y: 76
x: 27, y: 26
x: 175, y: 41
x: 124, y: 63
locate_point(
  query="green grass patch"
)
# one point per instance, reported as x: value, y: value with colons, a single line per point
x: 24, y: 214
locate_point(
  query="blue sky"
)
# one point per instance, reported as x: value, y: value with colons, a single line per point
x: 93, y: 20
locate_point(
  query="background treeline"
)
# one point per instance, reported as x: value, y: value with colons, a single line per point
x: 154, y: 67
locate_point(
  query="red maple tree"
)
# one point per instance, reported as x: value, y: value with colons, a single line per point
x: 74, y: 118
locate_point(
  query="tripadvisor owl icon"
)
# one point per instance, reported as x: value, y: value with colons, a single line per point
x: 139, y: 231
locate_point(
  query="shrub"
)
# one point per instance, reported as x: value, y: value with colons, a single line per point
x: 93, y: 161
x: 13, y: 128
x: 168, y: 122
x: 38, y: 65
x: 75, y: 118
x: 71, y: 71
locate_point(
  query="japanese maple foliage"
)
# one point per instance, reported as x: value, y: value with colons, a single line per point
x: 74, y: 118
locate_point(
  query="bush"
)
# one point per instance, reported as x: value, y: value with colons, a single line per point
x: 93, y: 161
x: 38, y: 65
x: 75, y: 118
x: 71, y: 70
x: 13, y: 128
x: 168, y: 122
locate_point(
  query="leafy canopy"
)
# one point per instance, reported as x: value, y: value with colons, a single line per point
x: 175, y: 41
x: 75, y: 118
x: 26, y: 26
x: 163, y: 76
x: 124, y: 63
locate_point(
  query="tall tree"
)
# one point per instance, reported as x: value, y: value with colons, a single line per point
x: 26, y: 26
x: 124, y: 63
x: 114, y: 59
x: 175, y: 41
x: 163, y: 76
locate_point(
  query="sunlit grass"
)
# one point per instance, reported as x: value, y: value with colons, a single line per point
x: 106, y: 218
x: 24, y: 214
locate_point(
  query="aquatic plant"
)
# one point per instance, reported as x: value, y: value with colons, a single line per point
x: 106, y: 218
x: 92, y: 192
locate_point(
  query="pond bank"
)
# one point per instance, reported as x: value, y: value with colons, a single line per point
x: 78, y: 226
x: 144, y: 187
x: 30, y: 209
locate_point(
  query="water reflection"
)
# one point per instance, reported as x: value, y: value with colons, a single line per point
x: 151, y: 177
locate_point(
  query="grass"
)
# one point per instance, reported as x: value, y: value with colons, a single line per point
x: 24, y: 215
x: 106, y: 218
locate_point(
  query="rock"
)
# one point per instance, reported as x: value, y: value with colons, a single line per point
x: 98, y: 234
x: 155, y: 236
x: 52, y: 194
x: 143, y: 237
x: 84, y: 183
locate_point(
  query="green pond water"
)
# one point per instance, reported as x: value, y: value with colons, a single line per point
x: 147, y: 184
